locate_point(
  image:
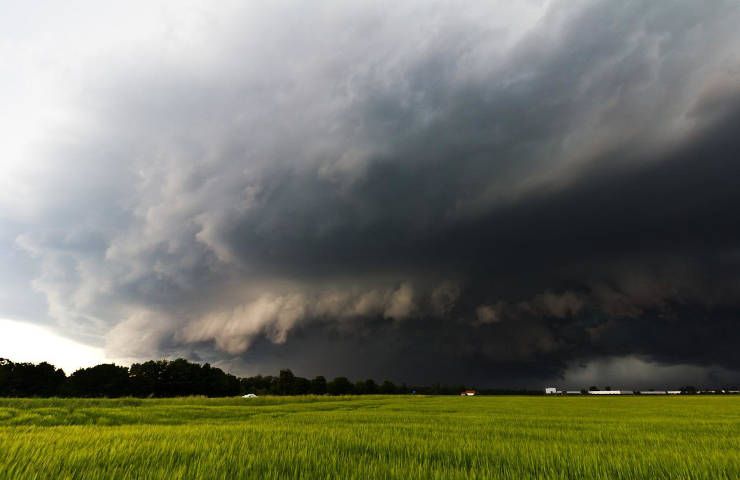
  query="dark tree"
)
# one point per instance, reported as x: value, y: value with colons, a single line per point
x: 224, y: 384
x: 179, y: 378
x: 106, y: 380
x: 259, y: 385
x: 301, y: 386
x: 30, y: 380
x: 247, y: 385
x: 6, y: 370
x: 146, y: 378
x: 169, y: 378
x: 339, y: 386
x: 388, y: 388
x: 367, y: 387
x: 318, y: 385
x: 286, y: 381
x: 359, y: 388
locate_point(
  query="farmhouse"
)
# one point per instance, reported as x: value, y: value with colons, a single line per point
x: 468, y: 393
x: 551, y: 391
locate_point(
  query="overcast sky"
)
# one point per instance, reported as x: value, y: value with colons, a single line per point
x: 498, y: 193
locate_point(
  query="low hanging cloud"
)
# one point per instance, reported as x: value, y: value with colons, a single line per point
x: 490, y: 193
x: 274, y: 316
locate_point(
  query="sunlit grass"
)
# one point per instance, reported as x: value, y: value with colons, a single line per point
x: 371, y: 437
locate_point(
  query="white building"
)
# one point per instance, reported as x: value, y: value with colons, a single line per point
x: 605, y: 392
x: 551, y: 391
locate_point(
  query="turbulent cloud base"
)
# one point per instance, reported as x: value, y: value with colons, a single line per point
x: 496, y: 194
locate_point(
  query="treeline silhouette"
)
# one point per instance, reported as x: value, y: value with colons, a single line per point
x: 174, y: 378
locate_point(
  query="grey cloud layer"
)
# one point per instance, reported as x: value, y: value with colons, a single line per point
x: 408, y: 192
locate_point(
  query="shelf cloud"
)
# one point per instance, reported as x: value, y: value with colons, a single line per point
x: 490, y: 193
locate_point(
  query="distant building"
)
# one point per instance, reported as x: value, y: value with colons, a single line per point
x: 551, y: 391
x: 573, y: 392
x: 653, y: 392
x: 604, y: 392
x: 468, y: 393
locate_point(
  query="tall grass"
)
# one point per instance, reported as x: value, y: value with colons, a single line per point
x: 371, y: 437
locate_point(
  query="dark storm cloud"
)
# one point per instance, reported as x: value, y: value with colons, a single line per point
x: 449, y: 202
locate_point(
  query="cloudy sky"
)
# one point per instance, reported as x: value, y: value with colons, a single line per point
x: 498, y: 193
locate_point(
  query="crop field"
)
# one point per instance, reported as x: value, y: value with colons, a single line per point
x: 371, y: 437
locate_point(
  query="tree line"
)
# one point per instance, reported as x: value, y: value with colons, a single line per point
x: 173, y: 378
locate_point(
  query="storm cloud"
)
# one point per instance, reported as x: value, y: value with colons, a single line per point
x: 499, y: 194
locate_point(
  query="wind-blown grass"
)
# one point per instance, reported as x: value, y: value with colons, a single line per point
x: 372, y: 437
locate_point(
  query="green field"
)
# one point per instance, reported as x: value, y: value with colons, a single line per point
x: 372, y: 437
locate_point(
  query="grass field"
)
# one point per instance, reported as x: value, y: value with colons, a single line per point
x: 372, y: 437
